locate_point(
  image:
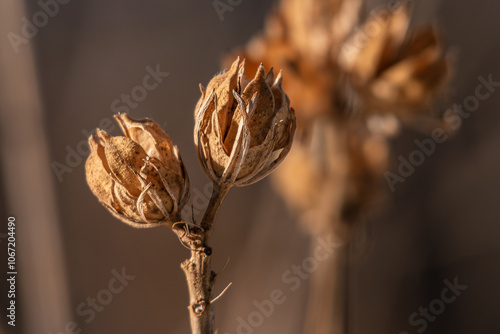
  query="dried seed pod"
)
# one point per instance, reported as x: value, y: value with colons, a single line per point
x: 139, y: 178
x: 243, y: 130
x: 392, y: 70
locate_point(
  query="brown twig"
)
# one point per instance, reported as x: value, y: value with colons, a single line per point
x: 200, y: 279
x: 199, y: 276
x: 219, y: 192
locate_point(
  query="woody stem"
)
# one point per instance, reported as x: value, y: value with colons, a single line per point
x: 200, y: 279
x: 219, y: 192
x: 199, y: 276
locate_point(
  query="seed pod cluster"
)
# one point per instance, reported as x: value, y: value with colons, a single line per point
x: 390, y: 67
x: 353, y: 79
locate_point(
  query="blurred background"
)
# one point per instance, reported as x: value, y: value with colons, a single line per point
x: 69, y: 77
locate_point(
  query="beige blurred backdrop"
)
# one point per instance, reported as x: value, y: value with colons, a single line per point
x: 442, y: 223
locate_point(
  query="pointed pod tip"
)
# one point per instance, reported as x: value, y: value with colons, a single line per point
x: 261, y: 73
x: 94, y: 142
x: 270, y: 77
x: 122, y: 115
x: 123, y: 121
x: 261, y: 67
x: 279, y: 79
x: 241, y: 70
x: 103, y: 136
x: 235, y: 64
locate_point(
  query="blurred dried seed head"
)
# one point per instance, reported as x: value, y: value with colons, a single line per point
x: 139, y: 177
x: 381, y: 66
x: 391, y: 69
x: 312, y: 180
x: 352, y: 83
x: 243, y: 130
x: 302, y: 37
x: 332, y: 174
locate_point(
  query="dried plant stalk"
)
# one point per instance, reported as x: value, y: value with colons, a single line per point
x: 199, y: 276
x: 243, y: 132
x: 200, y: 280
x: 327, y: 307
